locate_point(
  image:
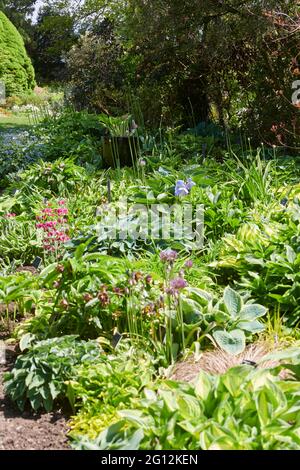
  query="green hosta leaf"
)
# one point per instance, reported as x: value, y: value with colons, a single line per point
x: 36, y: 381
x: 203, y: 385
x: 162, y: 196
x: 263, y: 407
x: 290, y: 254
x: 189, y: 407
x: 233, y: 343
x: 97, y: 322
x: 252, y: 260
x: 192, y: 311
x: 200, y: 295
x: 136, y: 417
x: 169, y: 400
x: 295, y: 369
x: 252, y: 326
x: 26, y: 341
x: 36, y: 402
x: 252, y: 311
x: 234, y: 380
x: 134, y: 441
x: 288, y: 354
x: 233, y: 301
x: 49, y: 271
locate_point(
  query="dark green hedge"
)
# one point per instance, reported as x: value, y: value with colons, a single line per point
x: 16, y: 69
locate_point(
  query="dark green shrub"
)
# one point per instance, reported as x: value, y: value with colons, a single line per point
x: 16, y: 69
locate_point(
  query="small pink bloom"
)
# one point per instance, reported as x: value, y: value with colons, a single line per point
x: 62, y: 211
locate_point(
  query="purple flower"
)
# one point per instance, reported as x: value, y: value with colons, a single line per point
x: 178, y: 283
x: 168, y: 255
x: 188, y: 264
x: 181, y: 189
x: 190, y: 184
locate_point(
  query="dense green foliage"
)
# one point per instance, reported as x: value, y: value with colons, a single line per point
x: 241, y: 410
x: 103, y: 319
x: 15, y: 66
x: 229, y: 61
x: 150, y: 220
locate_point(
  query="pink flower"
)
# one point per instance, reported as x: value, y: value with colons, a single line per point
x: 48, y: 211
x: 10, y: 215
x: 54, y: 225
x: 62, y: 211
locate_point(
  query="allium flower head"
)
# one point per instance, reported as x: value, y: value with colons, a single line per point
x: 188, y: 264
x: 168, y: 256
x: 178, y: 284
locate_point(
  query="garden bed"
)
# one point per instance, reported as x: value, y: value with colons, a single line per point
x: 154, y: 331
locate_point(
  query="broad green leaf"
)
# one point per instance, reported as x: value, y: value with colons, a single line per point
x: 233, y: 343
x: 252, y: 326
x: 169, y: 399
x: 26, y: 341
x: 233, y: 380
x: 290, y: 254
x: 134, y: 441
x: 203, y: 385
x: 136, y: 417
x: 200, y: 295
x: 51, y: 269
x: 192, y: 311
x: 92, y: 302
x: 263, y: 408
x: 233, y: 301
x: 252, y: 311
x: 189, y: 407
x: 252, y: 260
x: 288, y: 354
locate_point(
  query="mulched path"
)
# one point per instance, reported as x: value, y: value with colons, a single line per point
x: 28, y: 430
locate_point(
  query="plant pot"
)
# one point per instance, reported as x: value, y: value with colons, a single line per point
x: 120, y: 151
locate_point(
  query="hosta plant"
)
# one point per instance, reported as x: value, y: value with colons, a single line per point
x: 244, y: 409
x: 39, y: 375
x: 229, y: 321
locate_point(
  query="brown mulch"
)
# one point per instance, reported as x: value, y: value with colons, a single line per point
x: 27, y: 430
x: 217, y: 361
